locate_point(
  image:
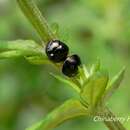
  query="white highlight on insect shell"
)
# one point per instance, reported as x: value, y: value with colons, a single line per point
x: 52, y: 54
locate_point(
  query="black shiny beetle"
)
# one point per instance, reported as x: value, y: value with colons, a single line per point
x: 70, y: 66
x: 57, y: 51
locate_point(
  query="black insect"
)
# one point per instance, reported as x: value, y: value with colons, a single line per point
x: 57, y: 51
x: 70, y: 66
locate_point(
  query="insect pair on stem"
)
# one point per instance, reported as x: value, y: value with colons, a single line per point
x: 57, y: 52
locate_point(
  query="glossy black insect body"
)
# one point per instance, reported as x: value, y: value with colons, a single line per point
x: 57, y: 51
x: 70, y: 66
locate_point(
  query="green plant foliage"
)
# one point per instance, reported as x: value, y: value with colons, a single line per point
x: 94, y: 88
x: 92, y: 85
x: 35, y: 17
x: 70, y: 109
x: 114, y: 85
x: 67, y: 81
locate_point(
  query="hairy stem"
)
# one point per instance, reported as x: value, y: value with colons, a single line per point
x: 33, y: 14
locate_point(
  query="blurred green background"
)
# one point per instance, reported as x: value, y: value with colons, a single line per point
x: 93, y: 29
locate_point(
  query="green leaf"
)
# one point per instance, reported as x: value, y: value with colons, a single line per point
x: 35, y: 17
x: 83, y: 74
x: 55, y: 28
x: 32, y: 51
x: 38, y: 60
x: 85, y: 71
x: 95, y: 67
x: 113, y: 85
x: 10, y: 54
x: 94, y: 88
x: 70, y: 109
x: 25, y: 46
x: 67, y: 81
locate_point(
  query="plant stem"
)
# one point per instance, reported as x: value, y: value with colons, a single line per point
x: 112, y: 124
x: 34, y: 15
x: 70, y: 109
